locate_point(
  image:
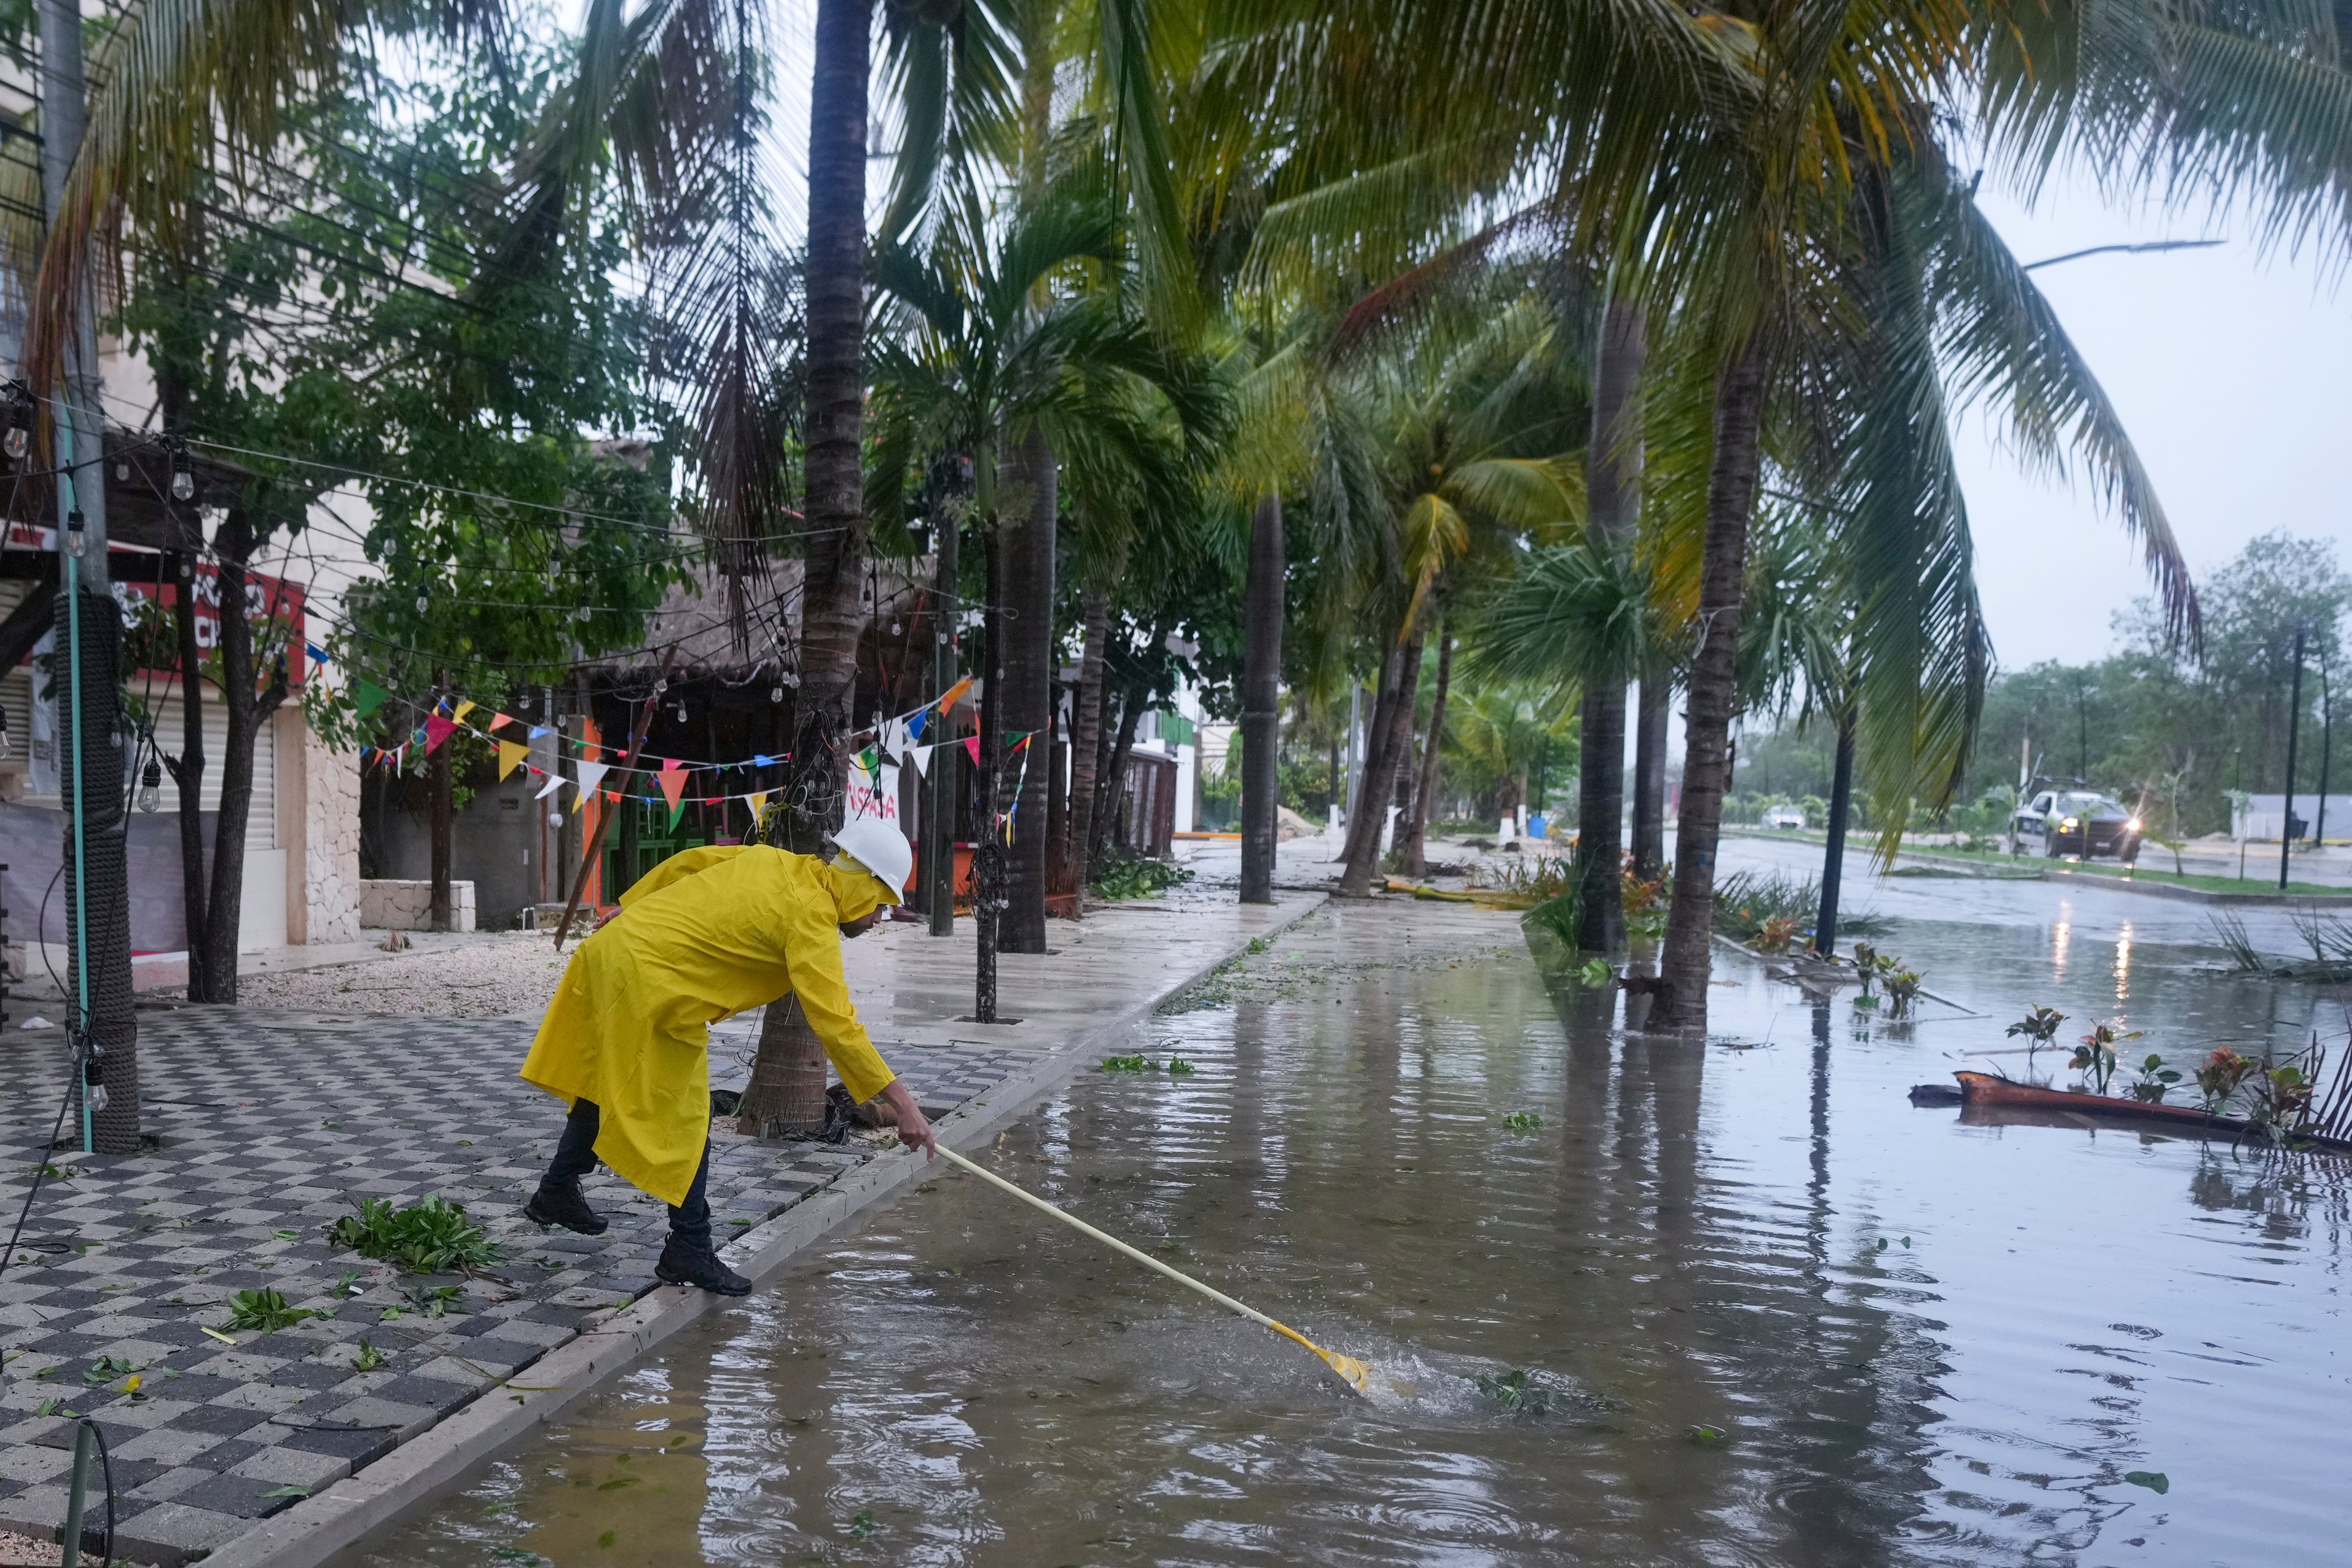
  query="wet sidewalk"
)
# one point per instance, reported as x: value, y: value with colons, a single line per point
x: 270, y: 1124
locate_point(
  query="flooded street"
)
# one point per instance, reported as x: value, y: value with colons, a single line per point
x: 1766, y: 1311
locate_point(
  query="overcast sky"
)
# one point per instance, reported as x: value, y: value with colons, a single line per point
x: 2230, y: 372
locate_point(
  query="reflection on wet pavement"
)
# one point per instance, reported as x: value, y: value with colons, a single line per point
x: 1770, y: 1312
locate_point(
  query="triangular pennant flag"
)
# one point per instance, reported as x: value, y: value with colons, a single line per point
x: 437, y: 729
x: 971, y: 744
x: 509, y: 753
x: 761, y: 759
x: 591, y: 775
x: 370, y: 697
x: 758, y: 801
x: 318, y: 654
x: 554, y: 782
x: 672, y: 785
x: 870, y: 760
x: 499, y: 718
x: 953, y: 695
x: 915, y: 722
x: 400, y: 758
x: 1026, y: 736
x: 463, y: 709
x: 921, y: 757
x: 536, y: 731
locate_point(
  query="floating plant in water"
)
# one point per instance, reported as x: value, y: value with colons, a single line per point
x: 2038, y: 1027
x: 2095, y: 1058
x: 1514, y: 1390
x: 1523, y: 1121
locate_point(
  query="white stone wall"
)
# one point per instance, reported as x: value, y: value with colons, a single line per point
x: 386, y: 905
x: 330, y: 841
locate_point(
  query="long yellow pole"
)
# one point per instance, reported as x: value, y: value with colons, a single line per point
x: 1351, y: 1371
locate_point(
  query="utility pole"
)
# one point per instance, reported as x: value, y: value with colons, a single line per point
x: 97, y: 868
x: 2327, y: 751
x: 2294, y: 724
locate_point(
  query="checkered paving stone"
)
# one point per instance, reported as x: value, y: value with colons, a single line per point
x: 267, y: 1127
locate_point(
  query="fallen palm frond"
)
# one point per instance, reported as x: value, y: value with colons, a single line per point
x: 1747, y: 902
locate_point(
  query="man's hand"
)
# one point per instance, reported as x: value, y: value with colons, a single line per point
x: 914, y: 1127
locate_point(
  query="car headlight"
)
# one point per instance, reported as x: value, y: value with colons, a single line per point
x: 2067, y: 825
x: 2132, y: 826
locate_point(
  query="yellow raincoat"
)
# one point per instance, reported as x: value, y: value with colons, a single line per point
x: 706, y: 933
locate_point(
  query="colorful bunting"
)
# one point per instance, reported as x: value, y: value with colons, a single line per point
x: 758, y: 801
x: 554, y: 782
x: 915, y: 721
x: 371, y: 698
x: 921, y: 757
x: 463, y: 709
x: 673, y: 787
x: 953, y: 695
x: 496, y: 719
x: 972, y: 745
x: 510, y: 753
x: 536, y: 731
x: 591, y: 775
x: 437, y: 729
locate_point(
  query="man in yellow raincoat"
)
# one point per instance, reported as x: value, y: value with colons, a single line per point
x: 626, y: 1039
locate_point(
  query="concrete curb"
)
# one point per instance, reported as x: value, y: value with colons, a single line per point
x: 318, y: 1527
x: 2199, y: 896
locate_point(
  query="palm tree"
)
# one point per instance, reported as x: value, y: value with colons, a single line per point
x: 1464, y: 438
x: 970, y: 362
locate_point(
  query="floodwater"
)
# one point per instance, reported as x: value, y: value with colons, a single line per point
x: 1768, y: 1311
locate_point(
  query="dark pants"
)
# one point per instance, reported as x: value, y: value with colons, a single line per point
x: 575, y: 1156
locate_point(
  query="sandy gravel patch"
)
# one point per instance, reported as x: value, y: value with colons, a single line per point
x: 500, y: 976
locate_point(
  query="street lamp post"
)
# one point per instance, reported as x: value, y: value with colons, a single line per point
x: 2293, y: 727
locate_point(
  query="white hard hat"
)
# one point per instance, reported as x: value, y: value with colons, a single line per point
x: 879, y: 850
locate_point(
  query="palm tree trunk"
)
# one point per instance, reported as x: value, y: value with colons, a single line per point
x: 1028, y: 697
x: 1613, y: 491
x: 834, y: 279
x: 1684, y: 967
x: 1086, y: 742
x: 1261, y: 685
x: 1416, y: 850
x: 1833, y: 855
x: 1651, y: 715
x: 1395, y: 739
x: 833, y: 283
x: 988, y: 832
x: 1375, y: 743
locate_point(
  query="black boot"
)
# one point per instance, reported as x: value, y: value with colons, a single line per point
x: 699, y: 1266
x: 562, y: 1204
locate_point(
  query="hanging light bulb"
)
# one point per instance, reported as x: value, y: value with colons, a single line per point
x: 151, y: 787
x: 681, y: 711
x: 75, y: 541
x: 422, y: 602
x: 896, y: 629
x: 775, y: 694
x: 184, y: 479
x: 121, y: 471
x: 582, y: 614
x: 17, y: 442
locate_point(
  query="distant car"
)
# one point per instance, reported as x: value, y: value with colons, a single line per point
x: 1784, y: 816
x: 2078, y: 822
